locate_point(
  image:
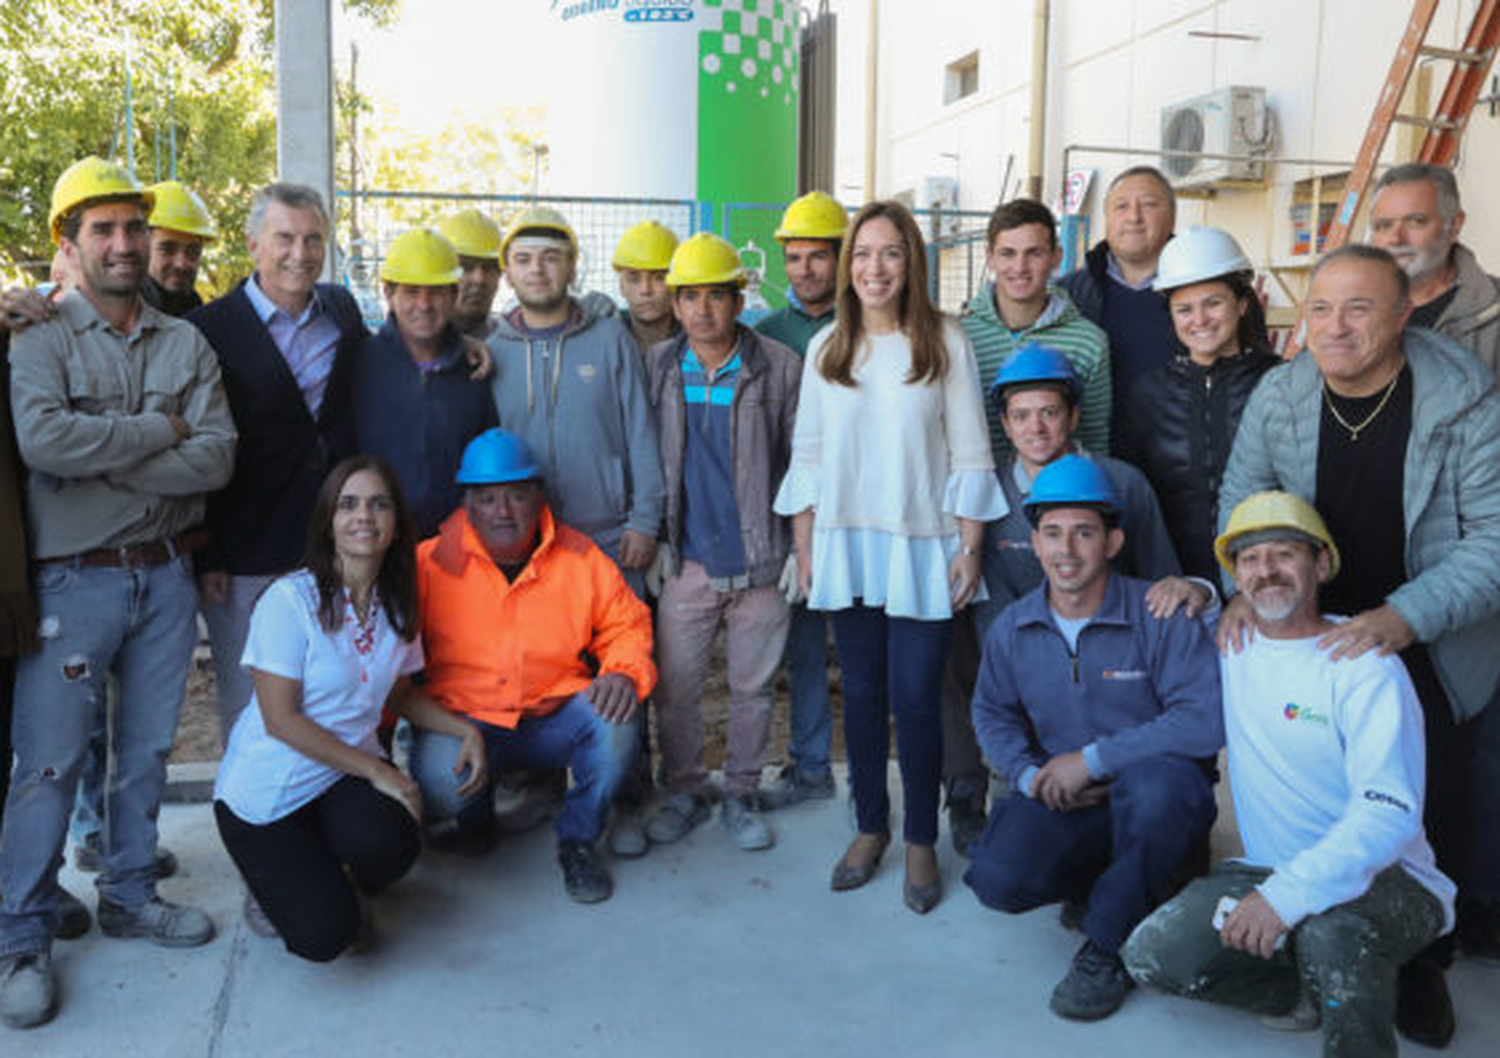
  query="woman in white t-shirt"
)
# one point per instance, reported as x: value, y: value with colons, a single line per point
x: 308, y: 806
x: 890, y: 484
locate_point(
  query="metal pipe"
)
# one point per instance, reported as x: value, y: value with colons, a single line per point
x: 872, y: 123
x: 1036, y: 153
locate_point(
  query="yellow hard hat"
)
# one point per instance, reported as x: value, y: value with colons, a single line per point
x: 421, y: 257
x: 1271, y: 515
x: 647, y: 246
x: 813, y: 216
x: 89, y: 180
x: 705, y: 260
x: 180, y: 209
x: 538, y: 217
x: 472, y: 234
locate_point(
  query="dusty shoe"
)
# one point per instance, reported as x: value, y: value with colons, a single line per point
x: 73, y: 918
x: 627, y: 835
x: 1095, y: 986
x: 742, y: 819
x: 28, y: 990
x: 1424, y: 1010
x: 793, y: 786
x: 680, y: 814
x: 88, y: 857
x: 169, y: 925
x: 583, y: 875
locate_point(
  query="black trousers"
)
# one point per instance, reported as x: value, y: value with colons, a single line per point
x: 304, y: 868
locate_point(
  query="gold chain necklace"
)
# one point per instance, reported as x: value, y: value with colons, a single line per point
x: 1354, y: 431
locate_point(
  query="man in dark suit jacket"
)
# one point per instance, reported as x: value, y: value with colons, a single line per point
x: 286, y: 346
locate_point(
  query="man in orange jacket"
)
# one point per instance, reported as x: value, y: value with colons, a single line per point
x: 531, y: 632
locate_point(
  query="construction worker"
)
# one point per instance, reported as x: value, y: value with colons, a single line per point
x: 726, y: 399
x: 641, y: 261
x: 1104, y: 718
x: 570, y: 381
x: 1113, y: 288
x: 477, y: 240
x: 533, y: 636
x: 180, y: 227
x: 415, y: 404
x: 1393, y: 432
x: 1417, y: 217
x: 1328, y: 802
x: 111, y: 554
x: 811, y: 234
x: 286, y: 344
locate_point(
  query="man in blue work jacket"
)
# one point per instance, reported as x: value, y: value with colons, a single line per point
x: 1104, y: 720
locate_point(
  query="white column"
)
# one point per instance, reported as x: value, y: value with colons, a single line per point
x: 304, y: 97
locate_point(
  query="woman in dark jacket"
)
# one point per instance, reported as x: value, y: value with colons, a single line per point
x: 1178, y: 422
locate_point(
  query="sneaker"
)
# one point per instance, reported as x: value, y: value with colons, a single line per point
x: 256, y: 919
x: 792, y: 786
x: 169, y: 925
x: 627, y: 835
x: 966, y: 814
x: 741, y: 817
x: 1095, y: 986
x: 1424, y: 1010
x: 680, y: 814
x: 73, y: 918
x: 28, y: 990
x: 583, y: 875
x: 88, y: 857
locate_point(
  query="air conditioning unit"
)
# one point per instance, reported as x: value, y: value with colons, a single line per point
x: 1229, y: 121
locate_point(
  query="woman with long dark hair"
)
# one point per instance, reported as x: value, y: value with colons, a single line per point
x: 308, y: 806
x: 1178, y: 422
x: 889, y: 488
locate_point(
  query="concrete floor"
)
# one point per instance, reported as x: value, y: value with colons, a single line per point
x: 704, y: 950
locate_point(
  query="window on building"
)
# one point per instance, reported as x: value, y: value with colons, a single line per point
x: 961, y: 78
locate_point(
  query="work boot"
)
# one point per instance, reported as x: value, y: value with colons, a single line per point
x: 88, y: 857
x: 584, y: 876
x: 73, y: 918
x: 169, y: 925
x: 967, y: 812
x: 792, y: 786
x: 28, y: 990
x: 742, y: 819
x: 672, y: 821
x: 1095, y: 986
x: 1424, y: 1010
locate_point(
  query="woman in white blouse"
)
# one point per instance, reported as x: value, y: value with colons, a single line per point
x: 890, y: 485
x: 307, y: 805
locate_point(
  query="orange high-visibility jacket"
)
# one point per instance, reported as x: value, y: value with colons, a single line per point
x: 499, y: 651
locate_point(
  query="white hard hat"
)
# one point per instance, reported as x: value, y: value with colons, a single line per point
x: 1198, y: 254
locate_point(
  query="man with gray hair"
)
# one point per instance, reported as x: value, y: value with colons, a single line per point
x: 1416, y: 216
x: 286, y: 345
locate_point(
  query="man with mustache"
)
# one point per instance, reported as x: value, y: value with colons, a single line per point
x: 1394, y: 434
x: 1337, y: 886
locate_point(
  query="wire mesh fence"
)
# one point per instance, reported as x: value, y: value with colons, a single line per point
x: 367, y: 221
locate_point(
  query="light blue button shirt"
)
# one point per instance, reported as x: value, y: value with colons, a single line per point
x: 307, y: 342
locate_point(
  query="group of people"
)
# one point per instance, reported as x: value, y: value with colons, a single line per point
x: 518, y: 535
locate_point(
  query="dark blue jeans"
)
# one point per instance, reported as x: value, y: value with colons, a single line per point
x: 1122, y: 856
x: 893, y: 665
x: 811, y: 738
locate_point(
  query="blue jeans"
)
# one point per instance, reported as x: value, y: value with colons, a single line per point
x: 572, y: 737
x: 1121, y: 856
x: 139, y: 625
x: 893, y: 665
x: 811, y: 738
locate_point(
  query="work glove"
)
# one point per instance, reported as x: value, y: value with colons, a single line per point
x: 790, y: 583
x: 663, y: 568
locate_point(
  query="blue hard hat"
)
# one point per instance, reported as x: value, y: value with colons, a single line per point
x: 1072, y: 481
x: 496, y: 457
x: 1034, y: 364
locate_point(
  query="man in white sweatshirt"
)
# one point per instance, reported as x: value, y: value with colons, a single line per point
x: 1337, y: 886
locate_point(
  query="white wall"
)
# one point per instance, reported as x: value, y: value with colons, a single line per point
x: 1113, y: 65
